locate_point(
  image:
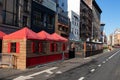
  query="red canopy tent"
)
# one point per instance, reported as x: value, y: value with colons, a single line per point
x: 45, y: 36
x: 2, y: 34
x: 58, y: 37
x: 24, y: 33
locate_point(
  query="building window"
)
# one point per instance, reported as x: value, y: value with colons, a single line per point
x: 50, y: 19
x: 59, y: 28
x: 13, y: 47
x: 24, y: 20
x: 62, y: 4
x: 38, y: 19
x: 72, y: 22
x: 10, y: 12
x: 25, y: 5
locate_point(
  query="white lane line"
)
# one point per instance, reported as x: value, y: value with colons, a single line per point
x: 103, y: 62
x: 35, y: 74
x: 49, y: 72
x: 58, y: 72
x: 99, y: 65
x: 92, y: 70
x: 107, y: 59
x: 82, y: 78
x: 114, y: 54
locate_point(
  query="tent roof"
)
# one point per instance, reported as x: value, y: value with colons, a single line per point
x: 58, y: 37
x: 2, y: 34
x: 23, y: 33
x: 45, y: 35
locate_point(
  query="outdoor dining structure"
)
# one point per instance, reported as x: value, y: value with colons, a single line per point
x: 30, y: 49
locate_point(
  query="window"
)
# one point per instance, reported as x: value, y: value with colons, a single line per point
x: 62, y: 4
x: 24, y: 20
x: 50, y: 26
x: 72, y: 31
x: 35, y: 47
x: 25, y: 5
x: 72, y: 22
x: 13, y: 47
x: 63, y: 47
x: 10, y: 12
x: 40, y: 47
x: 9, y: 18
x: 38, y: 19
x: 52, y: 47
x: 50, y: 19
x: 55, y: 47
x: 59, y: 28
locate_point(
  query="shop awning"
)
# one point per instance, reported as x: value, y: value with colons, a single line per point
x: 2, y: 34
x: 45, y: 36
x: 23, y: 33
x: 59, y: 38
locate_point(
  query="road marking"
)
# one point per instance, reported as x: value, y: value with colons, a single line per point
x: 99, y: 65
x: 114, y: 54
x: 47, y: 75
x: 49, y: 72
x: 34, y: 74
x: 82, y: 78
x: 92, y: 70
x: 107, y: 59
x: 103, y: 62
x: 87, y: 58
x: 23, y: 78
x: 58, y: 72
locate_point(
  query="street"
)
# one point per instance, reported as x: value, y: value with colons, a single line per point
x: 110, y: 70
x: 104, y: 66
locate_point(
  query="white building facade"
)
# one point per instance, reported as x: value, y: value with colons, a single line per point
x: 74, y: 15
x: 75, y: 20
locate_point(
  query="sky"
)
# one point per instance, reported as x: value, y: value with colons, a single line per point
x: 110, y: 14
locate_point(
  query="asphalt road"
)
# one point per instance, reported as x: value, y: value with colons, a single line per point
x: 104, y: 67
x: 109, y: 71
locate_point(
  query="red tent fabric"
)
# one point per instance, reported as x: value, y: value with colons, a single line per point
x: 23, y: 33
x: 2, y: 34
x: 58, y: 37
x: 45, y: 35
